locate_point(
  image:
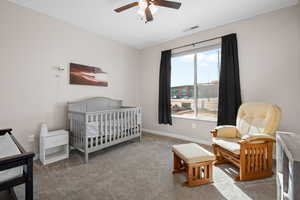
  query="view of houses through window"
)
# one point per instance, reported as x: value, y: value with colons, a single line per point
x: 195, y: 84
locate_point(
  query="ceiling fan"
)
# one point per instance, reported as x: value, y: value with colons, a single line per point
x: 149, y: 7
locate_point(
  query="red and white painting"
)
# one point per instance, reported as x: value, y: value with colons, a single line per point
x: 87, y: 75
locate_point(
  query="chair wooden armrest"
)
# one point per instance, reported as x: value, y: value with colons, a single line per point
x: 256, y: 139
x: 214, y: 133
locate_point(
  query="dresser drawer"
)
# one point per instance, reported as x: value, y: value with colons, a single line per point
x: 54, y: 141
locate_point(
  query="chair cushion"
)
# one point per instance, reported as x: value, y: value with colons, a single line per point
x: 231, y: 144
x: 258, y: 118
x: 9, y: 148
x: 192, y: 153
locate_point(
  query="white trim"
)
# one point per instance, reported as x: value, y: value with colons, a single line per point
x: 181, y: 137
x: 194, y: 118
x: 201, y: 48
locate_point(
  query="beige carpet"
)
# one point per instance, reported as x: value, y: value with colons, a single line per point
x: 138, y: 171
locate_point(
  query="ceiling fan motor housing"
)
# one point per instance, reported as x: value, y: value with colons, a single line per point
x: 148, y: 7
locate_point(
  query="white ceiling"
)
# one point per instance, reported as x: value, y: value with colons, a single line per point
x: 126, y: 27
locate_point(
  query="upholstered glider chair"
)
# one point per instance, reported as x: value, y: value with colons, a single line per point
x: 248, y: 145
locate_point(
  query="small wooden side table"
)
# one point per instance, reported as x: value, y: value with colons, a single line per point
x: 54, y: 146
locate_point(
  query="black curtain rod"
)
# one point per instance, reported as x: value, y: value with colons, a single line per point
x: 193, y: 44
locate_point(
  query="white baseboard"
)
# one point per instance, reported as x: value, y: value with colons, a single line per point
x: 181, y: 137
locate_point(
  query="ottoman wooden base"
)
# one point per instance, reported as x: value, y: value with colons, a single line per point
x: 197, y: 173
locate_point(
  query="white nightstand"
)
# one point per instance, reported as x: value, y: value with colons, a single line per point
x: 54, y: 146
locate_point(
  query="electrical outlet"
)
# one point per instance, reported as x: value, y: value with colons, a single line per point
x: 194, y: 125
x: 31, y: 138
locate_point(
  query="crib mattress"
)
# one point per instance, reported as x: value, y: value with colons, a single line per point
x: 92, y: 129
x: 9, y: 148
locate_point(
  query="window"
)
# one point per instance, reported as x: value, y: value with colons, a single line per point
x: 195, y: 83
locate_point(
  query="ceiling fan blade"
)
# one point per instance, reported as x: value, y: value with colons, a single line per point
x: 168, y: 4
x: 148, y: 13
x: 127, y: 7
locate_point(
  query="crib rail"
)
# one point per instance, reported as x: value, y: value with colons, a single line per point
x: 92, y: 131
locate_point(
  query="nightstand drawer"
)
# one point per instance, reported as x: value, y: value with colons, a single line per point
x: 57, y: 140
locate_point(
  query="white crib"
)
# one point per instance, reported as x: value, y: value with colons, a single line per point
x: 101, y: 122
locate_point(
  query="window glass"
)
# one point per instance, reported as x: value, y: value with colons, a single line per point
x: 195, y: 84
x: 208, y: 84
x: 182, y: 85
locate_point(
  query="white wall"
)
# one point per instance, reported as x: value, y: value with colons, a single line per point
x: 269, y: 53
x: 31, y: 46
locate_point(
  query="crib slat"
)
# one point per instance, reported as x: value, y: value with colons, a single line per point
x: 125, y: 123
x: 137, y: 121
x: 128, y: 122
x: 135, y: 128
x: 125, y: 127
x: 105, y: 126
x: 112, y: 135
x: 132, y: 122
x: 121, y: 124
x: 110, y: 127
x: 79, y: 130
x: 96, y: 121
x: 114, y: 125
x: 117, y: 125
x: 76, y: 131
x: 101, y: 128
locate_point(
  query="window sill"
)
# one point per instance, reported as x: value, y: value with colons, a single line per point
x: 195, y: 118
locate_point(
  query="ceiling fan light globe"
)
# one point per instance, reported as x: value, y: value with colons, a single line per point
x: 141, y: 12
x: 143, y: 4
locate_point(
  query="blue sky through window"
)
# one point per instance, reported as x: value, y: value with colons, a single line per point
x: 183, y: 68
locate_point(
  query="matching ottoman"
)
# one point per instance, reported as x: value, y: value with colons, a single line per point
x: 195, y: 161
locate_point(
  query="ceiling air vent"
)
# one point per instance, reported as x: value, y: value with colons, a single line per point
x: 191, y: 28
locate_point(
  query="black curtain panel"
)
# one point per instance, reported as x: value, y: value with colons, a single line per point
x: 229, y: 88
x: 164, y: 106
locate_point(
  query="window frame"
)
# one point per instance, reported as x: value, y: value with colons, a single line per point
x: 195, y: 51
